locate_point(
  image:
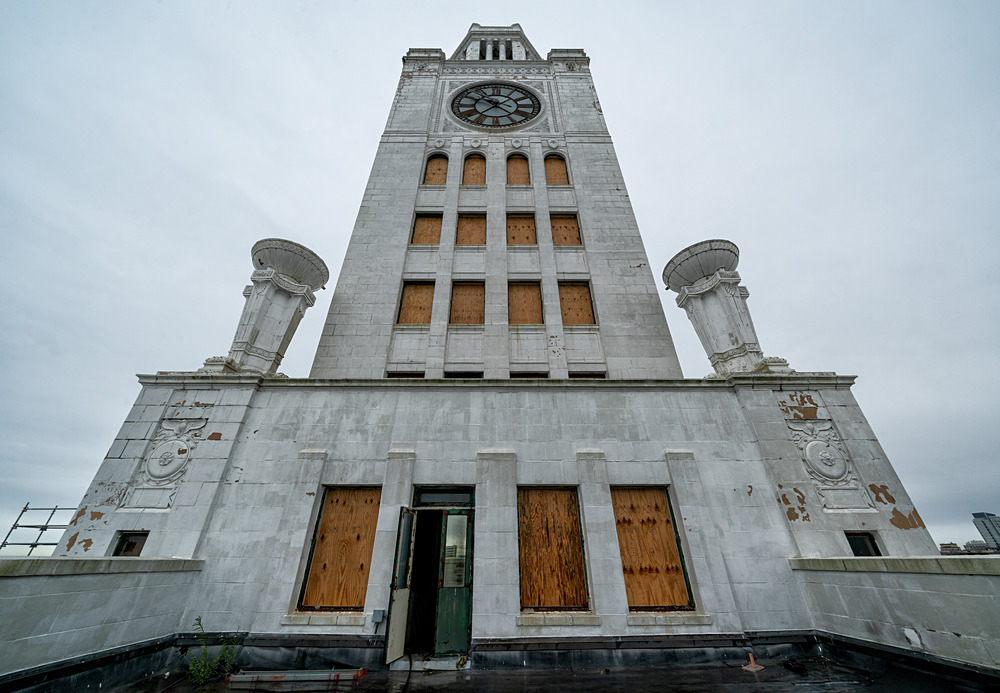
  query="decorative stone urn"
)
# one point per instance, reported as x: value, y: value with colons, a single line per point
x: 284, y: 278
x: 708, y: 289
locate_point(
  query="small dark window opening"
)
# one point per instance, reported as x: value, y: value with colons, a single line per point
x: 587, y: 376
x: 451, y: 496
x: 863, y: 544
x: 404, y: 374
x: 528, y: 374
x: 130, y: 543
x: 464, y: 374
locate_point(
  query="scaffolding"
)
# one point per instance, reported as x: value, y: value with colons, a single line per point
x: 42, y: 527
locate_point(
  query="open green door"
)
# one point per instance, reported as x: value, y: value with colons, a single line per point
x: 399, y: 595
x: 454, y: 607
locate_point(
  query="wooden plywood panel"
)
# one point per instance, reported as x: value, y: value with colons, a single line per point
x: 437, y: 171
x: 468, y: 304
x: 565, y: 230
x: 475, y: 171
x: 555, y: 171
x: 427, y: 229
x: 415, y: 305
x: 517, y: 171
x: 471, y: 230
x: 521, y: 230
x: 651, y: 561
x: 550, y: 549
x: 342, y: 552
x: 574, y: 299
x: 524, y: 304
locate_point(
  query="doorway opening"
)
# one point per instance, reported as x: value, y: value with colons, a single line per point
x: 430, y: 609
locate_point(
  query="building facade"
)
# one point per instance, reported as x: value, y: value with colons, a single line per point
x: 988, y: 525
x: 496, y: 452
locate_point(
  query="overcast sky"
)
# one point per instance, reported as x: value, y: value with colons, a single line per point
x: 851, y: 149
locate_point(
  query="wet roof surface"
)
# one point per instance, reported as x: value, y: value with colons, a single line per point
x: 799, y: 675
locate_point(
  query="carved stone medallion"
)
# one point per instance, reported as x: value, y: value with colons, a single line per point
x: 155, y: 482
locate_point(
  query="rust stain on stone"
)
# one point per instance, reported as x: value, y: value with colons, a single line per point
x: 72, y: 541
x: 95, y: 515
x: 215, y: 436
x: 79, y: 514
x: 792, y: 515
x: 801, y: 497
x: 749, y: 489
x: 310, y: 493
x: 181, y: 451
x: 86, y: 544
x: 882, y: 494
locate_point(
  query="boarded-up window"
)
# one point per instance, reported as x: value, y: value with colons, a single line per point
x: 436, y: 172
x: 342, y: 549
x: 427, y: 229
x: 565, y: 230
x: 574, y: 299
x: 468, y: 303
x: 555, y: 171
x: 550, y: 549
x: 651, y: 561
x: 521, y: 230
x: 517, y: 171
x: 471, y: 230
x: 415, y: 304
x: 524, y: 304
x: 475, y: 171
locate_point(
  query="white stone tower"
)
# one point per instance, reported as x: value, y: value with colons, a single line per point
x: 464, y: 218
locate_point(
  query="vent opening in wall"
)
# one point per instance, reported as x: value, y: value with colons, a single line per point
x: 863, y: 544
x: 130, y: 543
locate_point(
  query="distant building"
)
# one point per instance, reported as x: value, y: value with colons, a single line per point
x: 950, y: 549
x: 988, y: 525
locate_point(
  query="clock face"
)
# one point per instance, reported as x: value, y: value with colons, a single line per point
x: 495, y: 105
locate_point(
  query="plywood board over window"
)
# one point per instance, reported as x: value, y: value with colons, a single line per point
x: 517, y: 171
x: 524, y: 303
x: 555, y: 171
x: 471, y: 230
x: 468, y: 303
x: 475, y: 171
x: 651, y: 560
x: 550, y: 549
x: 521, y: 230
x: 415, y: 303
x: 574, y: 299
x: 436, y: 172
x: 427, y: 229
x: 342, y: 549
x: 565, y: 229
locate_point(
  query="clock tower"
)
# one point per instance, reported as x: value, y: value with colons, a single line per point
x: 496, y: 238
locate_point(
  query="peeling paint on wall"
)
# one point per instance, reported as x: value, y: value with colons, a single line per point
x: 911, y: 521
x: 799, y: 405
x: 79, y: 514
x: 882, y: 494
x: 797, y: 510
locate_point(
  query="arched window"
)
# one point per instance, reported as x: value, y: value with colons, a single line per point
x: 517, y: 170
x: 436, y: 172
x: 475, y: 170
x: 555, y: 171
